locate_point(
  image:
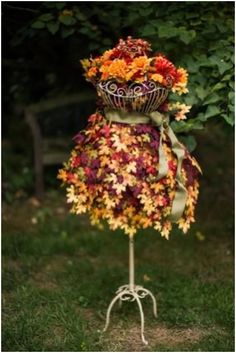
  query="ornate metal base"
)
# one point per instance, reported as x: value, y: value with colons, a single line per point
x: 132, y: 293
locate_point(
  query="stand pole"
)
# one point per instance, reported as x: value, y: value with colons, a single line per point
x: 131, y: 292
x: 131, y: 263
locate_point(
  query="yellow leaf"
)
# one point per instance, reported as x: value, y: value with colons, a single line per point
x: 146, y: 278
x: 200, y: 236
x: 119, y: 188
x: 131, y: 167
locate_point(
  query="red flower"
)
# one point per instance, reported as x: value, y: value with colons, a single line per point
x: 165, y: 68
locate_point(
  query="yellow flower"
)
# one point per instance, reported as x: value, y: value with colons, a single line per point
x: 157, y: 78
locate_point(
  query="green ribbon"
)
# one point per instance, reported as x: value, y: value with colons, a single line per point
x: 162, y: 121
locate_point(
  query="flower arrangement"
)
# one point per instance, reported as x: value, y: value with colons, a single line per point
x: 113, y: 171
x: 130, y: 62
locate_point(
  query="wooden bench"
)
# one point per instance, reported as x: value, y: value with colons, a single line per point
x: 55, y: 149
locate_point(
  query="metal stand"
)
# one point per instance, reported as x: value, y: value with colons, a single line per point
x: 131, y: 292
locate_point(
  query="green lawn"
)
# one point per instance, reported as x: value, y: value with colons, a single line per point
x: 59, y: 275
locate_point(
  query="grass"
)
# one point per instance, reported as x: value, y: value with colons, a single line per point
x: 59, y: 275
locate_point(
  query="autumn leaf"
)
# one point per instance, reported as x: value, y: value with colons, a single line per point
x: 71, y: 197
x: 128, y: 179
x: 104, y: 161
x: 104, y: 150
x: 62, y: 175
x: 114, y: 165
x: 119, y: 188
x: 157, y: 187
x: 131, y: 167
x: 112, y: 178
x: 118, y: 144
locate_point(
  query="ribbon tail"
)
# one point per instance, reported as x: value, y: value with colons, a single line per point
x: 178, y: 204
x: 163, y: 166
x: 181, y: 193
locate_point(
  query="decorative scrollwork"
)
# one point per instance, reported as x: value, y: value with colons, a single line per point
x: 143, y: 97
x: 128, y: 294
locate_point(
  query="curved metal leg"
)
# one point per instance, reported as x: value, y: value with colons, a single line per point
x: 153, y: 300
x: 120, y: 303
x: 109, y: 309
x: 142, y: 318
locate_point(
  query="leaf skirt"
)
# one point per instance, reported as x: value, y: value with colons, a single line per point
x: 112, y: 174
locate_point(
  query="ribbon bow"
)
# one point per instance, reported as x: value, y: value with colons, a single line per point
x: 162, y: 121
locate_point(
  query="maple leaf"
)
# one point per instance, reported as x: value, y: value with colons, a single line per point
x: 157, y: 226
x: 115, y: 222
x: 104, y: 149
x: 106, y: 130
x: 82, y: 198
x: 62, y: 175
x: 131, y: 167
x: 112, y: 178
x: 93, y: 153
x: 114, y: 165
x: 129, y: 211
x: 71, y: 197
x: 149, y: 208
x: 135, y: 152
x: 110, y: 203
x: 118, y: 144
x: 119, y: 188
x: 80, y: 209
x: 128, y: 139
x: 146, y: 138
x: 157, y: 187
x: 159, y: 200
x: 128, y: 179
x: 146, y: 222
x: 129, y: 230
x: 104, y: 161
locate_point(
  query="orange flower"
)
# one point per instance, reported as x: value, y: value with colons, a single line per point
x: 141, y: 62
x: 138, y: 68
x: 92, y: 72
x: 116, y: 69
x: 181, y: 80
x: 106, y: 56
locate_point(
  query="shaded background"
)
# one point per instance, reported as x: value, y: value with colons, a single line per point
x: 57, y: 275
